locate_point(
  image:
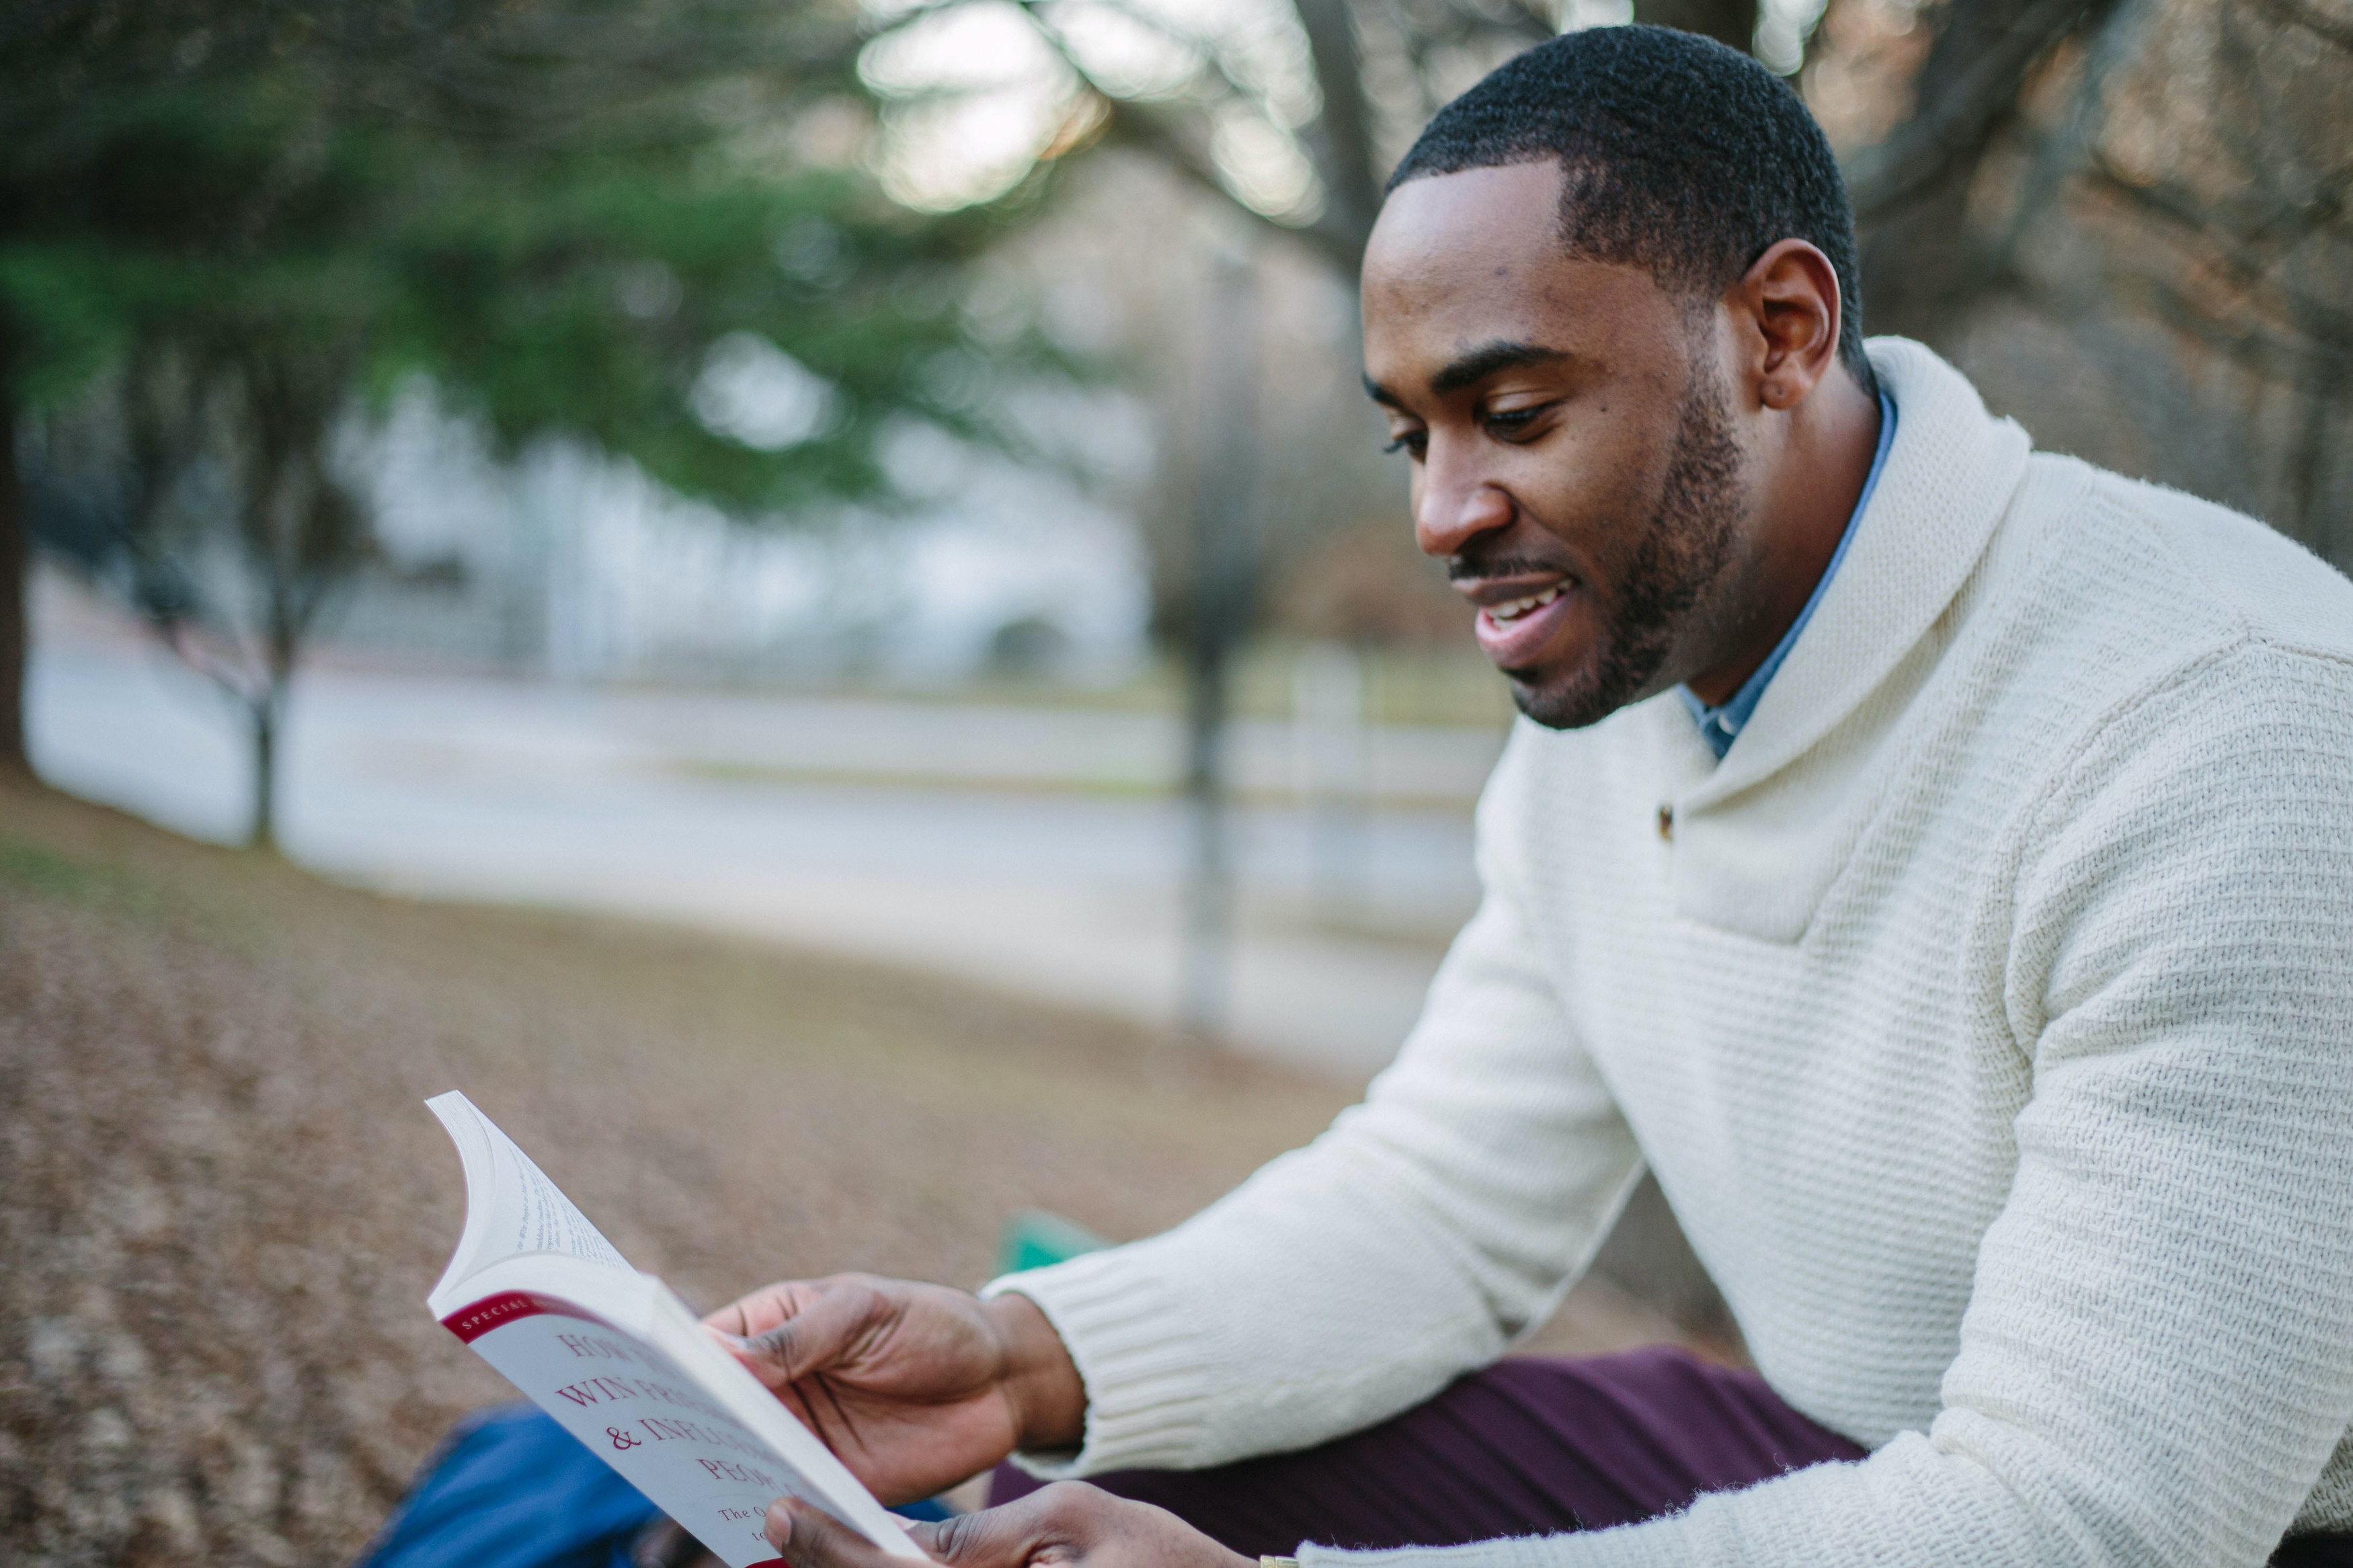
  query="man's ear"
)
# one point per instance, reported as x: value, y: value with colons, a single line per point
x: 1786, y: 310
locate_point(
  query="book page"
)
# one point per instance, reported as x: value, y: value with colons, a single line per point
x: 543, y: 1219
x: 510, y: 1205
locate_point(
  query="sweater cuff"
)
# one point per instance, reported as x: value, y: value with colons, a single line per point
x: 1629, y: 1546
x: 1138, y: 1355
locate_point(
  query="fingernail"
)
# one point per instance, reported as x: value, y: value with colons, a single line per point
x: 779, y: 1523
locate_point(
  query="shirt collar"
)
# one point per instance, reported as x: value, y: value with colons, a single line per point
x: 1718, y: 726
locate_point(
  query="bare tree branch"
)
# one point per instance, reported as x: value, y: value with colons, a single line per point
x: 2059, y: 156
x: 2335, y: 30
x: 174, y: 633
x: 1137, y: 125
x: 1207, y: 52
x: 1970, y: 83
x: 2239, y: 261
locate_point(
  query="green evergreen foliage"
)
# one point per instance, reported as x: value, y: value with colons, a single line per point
x: 227, y: 224
x: 285, y: 191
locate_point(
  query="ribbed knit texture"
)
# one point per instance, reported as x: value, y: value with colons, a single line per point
x: 1987, y: 1020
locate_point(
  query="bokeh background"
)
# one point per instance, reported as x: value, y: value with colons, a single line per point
x: 801, y: 597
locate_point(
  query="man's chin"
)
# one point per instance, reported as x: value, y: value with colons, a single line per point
x: 1556, y: 703
x: 1581, y: 694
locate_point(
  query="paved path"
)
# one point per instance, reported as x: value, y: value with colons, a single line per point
x: 1019, y: 847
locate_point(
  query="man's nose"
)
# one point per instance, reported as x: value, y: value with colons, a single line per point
x: 1453, y: 507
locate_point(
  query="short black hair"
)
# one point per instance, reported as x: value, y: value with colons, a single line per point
x: 1682, y: 156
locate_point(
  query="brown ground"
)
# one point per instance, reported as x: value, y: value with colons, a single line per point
x: 221, y: 1204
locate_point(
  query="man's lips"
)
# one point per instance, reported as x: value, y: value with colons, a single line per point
x: 1517, y: 616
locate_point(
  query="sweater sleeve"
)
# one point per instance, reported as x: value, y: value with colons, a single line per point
x: 2156, y: 1359
x: 1355, y: 1278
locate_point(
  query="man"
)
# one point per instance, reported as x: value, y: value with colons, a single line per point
x: 1932, y: 859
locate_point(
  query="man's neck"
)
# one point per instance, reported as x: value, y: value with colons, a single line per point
x: 1817, y: 479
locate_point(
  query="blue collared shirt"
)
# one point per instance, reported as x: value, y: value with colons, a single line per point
x: 1717, y: 726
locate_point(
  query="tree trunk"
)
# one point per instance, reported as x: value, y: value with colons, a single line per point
x: 267, y: 714
x: 1732, y: 22
x: 1223, y: 563
x: 1205, y: 982
x: 1343, y: 131
x: 15, y: 553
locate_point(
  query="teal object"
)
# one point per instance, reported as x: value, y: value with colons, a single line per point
x: 1034, y: 1238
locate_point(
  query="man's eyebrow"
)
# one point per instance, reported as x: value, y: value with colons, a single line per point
x: 1470, y: 368
x: 1486, y: 360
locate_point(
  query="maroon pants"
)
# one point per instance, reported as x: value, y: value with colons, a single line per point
x: 1525, y: 1447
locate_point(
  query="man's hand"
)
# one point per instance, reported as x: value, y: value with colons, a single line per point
x: 1068, y: 1525
x: 915, y: 1387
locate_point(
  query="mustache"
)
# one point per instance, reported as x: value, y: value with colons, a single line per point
x: 1482, y: 564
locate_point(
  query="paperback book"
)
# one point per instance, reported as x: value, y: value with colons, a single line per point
x: 622, y: 1365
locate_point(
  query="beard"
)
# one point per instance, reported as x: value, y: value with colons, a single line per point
x: 1693, y: 535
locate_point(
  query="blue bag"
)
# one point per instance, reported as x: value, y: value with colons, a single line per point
x: 510, y: 1489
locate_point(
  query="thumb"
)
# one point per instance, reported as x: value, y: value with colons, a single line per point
x: 808, y: 1536
x: 992, y: 1538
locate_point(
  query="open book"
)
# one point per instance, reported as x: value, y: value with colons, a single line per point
x: 622, y: 1365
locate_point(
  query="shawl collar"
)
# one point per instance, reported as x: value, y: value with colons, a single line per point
x: 1948, y: 480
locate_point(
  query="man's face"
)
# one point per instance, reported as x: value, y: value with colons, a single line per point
x: 1574, y: 461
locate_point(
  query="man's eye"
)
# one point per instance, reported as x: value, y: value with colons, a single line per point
x: 1412, y: 442
x: 1510, y: 422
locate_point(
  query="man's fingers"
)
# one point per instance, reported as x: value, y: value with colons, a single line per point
x: 791, y: 1330
x: 808, y: 1536
x: 762, y: 1308
x: 812, y: 1338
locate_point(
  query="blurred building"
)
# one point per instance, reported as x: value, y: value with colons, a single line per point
x: 571, y: 563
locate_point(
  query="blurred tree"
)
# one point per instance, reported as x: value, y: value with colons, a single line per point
x: 572, y: 217
x: 1380, y: 72
x: 2128, y: 219
x: 1372, y: 74
x: 234, y: 573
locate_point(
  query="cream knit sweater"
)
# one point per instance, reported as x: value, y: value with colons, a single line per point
x: 1987, y: 1019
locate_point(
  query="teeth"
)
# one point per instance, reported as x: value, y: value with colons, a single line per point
x: 1518, y: 607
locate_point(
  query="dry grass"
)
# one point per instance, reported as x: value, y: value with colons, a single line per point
x: 224, y: 1203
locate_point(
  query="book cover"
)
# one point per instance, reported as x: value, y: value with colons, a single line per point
x: 623, y: 1364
